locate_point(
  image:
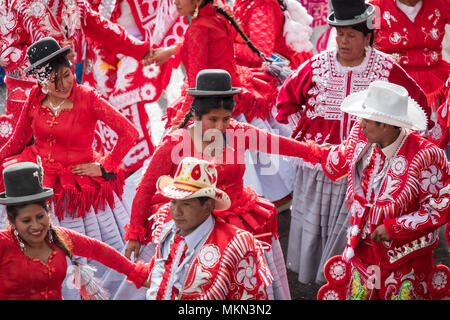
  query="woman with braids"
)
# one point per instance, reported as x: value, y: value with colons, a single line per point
x: 216, y: 137
x: 33, y: 252
x: 208, y: 44
x: 61, y: 116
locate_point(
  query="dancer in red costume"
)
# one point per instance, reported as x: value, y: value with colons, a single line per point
x: 399, y: 196
x: 125, y: 82
x: 265, y: 24
x: 412, y: 31
x: 198, y: 255
x: 311, y: 97
x: 69, y: 22
x: 212, y: 109
x: 61, y: 116
x: 33, y: 252
x: 279, y: 30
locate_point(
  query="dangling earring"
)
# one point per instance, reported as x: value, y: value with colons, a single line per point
x: 195, y: 12
x: 19, y: 240
x: 50, y: 234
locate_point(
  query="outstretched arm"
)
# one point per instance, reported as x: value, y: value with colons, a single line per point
x: 94, y: 249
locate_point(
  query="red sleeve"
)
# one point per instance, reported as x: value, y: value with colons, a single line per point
x: 261, y: 31
x: 111, y: 35
x: 23, y: 130
x: 126, y: 131
x: 293, y: 93
x: 336, y: 159
x: 94, y: 249
x: 160, y: 164
x: 433, y: 196
x: 196, y: 50
x: 263, y: 141
x: 399, y: 76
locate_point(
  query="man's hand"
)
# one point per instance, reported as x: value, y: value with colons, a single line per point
x: 380, y: 234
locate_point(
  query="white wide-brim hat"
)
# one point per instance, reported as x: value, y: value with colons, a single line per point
x: 194, y: 178
x: 387, y: 103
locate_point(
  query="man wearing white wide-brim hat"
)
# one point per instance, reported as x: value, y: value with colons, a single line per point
x: 398, y: 194
x: 199, y: 256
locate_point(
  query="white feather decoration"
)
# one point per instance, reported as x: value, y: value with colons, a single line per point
x: 297, y: 30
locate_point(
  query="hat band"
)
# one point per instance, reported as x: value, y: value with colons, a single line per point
x: 191, y: 186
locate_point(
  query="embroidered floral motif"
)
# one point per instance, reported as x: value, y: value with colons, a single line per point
x: 8, y: 21
x: 36, y: 9
x: 246, y: 272
x: 399, y: 165
x: 148, y: 91
x: 439, y: 280
x: 5, y: 129
x: 151, y: 71
x: 431, y: 180
x: 209, y: 256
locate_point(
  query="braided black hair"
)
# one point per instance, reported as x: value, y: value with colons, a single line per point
x: 236, y: 26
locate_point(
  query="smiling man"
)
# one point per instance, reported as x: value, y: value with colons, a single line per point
x: 199, y: 256
x: 399, y: 195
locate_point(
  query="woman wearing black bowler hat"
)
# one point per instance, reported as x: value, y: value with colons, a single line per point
x: 313, y: 94
x: 61, y: 116
x: 33, y: 252
x: 217, y: 138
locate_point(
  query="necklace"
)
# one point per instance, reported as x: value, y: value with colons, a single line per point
x: 57, y: 108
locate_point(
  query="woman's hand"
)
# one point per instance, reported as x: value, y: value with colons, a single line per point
x: 161, y: 55
x: 91, y: 169
x: 133, y: 246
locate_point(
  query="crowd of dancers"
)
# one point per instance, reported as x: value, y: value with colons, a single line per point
x: 353, y: 130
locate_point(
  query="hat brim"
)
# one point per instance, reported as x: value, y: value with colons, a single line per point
x: 204, y: 93
x: 415, y: 118
x: 165, y: 185
x: 46, y: 194
x: 369, y: 13
x: 60, y: 52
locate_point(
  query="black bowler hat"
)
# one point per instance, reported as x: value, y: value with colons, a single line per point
x: 213, y: 82
x: 43, y: 51
x: 351, y: 12
x: 23, y: 184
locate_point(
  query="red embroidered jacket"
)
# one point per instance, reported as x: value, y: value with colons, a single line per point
x: 230, y: 265
x: 248, y: 211
x: 23, y: 278
x: 416, y: 46
x: 315, y: 91
x: 413, y: 200
x: 65, y: 140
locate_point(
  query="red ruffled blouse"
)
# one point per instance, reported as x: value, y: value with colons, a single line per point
x: 65, y: 140
x: 248, y: 210
x: 23, y: 278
